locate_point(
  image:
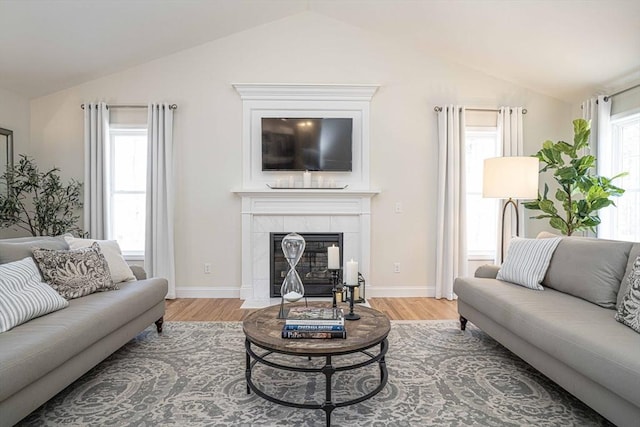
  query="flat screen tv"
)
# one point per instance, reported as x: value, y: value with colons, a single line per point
x: 313, y: 144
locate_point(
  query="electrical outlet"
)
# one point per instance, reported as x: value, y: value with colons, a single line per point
x: 396, y: 267
x: 398, y: 208
x: 207, y: 268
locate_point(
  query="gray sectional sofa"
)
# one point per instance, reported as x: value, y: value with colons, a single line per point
x: 568, y: 331
x: 41, y: 357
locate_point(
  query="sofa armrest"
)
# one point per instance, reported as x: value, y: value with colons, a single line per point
x: 138, y: 272
x: 487, y: 271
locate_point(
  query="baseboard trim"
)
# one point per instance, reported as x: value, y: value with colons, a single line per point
x: 202, y: 292
x: 371, y: 292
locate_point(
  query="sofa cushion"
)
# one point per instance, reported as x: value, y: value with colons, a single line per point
x: 587, y: 268
x: 22, y: 247
x: 527, y: 261
x: 75, y: 273
x: 633, y: 254
x: 629, y: 310
x: 23, y: 295
x: 118, y: 267
x: 582, y: 335
x: 31, y: 350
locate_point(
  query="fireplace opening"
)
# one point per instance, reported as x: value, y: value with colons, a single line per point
x: 312, y: 267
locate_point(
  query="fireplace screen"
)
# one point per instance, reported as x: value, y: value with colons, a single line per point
x: 312, y: 267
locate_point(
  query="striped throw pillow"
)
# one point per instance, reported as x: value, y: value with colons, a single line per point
x: 23, y: 295
x: 527, y: 261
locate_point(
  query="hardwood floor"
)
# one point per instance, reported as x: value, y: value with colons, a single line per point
x: 228, y: 309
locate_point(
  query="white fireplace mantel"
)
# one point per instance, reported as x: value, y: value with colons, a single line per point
x: 303, y: 210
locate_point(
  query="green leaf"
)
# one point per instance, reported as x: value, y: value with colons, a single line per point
x: 561, y: 196
x: 558, y: 224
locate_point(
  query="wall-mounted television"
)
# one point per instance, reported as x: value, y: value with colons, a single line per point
x: 313, y: 144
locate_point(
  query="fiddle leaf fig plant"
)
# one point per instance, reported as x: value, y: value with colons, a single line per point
x: 39, y: 202
x: 580, y: 194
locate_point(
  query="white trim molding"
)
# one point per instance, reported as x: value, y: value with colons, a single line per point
x: 304, y: 100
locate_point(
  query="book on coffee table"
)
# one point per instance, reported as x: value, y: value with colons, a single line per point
x: 302, y: 334
x: 315, y: 316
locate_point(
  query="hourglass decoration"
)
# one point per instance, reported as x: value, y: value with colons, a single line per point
x: 292, y: 289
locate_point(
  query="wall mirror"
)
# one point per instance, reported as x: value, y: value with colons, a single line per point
x: 6, y: 155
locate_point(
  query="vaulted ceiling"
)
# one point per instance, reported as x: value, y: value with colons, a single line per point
x: 565, y: 49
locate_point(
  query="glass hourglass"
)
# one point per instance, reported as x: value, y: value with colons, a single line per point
x: 292, y: 289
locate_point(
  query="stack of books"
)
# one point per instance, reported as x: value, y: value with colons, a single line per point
x: 314, y: 322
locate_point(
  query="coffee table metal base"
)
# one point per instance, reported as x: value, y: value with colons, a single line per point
x: 328, y: 370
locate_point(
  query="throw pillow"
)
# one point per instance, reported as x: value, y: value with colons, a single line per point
x: 23, y: 295
x: 527, y: 261
x: 118, y: 267
x: 629, y: 311
x: 75, y: 273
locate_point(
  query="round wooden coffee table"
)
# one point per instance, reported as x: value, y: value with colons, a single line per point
x: 263, y: 329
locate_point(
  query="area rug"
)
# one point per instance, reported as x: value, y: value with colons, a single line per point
x: 193, y: 375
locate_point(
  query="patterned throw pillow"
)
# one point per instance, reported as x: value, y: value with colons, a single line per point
x: 23, y: 295
x: 75, y: 273
x: 527, y: 261
x: 629, y: 310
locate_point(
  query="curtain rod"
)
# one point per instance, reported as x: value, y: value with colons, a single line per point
x: 172, y: 106
x: 437, y: 109
x: 606, y: 98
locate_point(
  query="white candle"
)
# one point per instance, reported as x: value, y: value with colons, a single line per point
x: 352, y: 273
x: 306, y: 179
x: 356, y: 294
x: 290, y: 181
x: 320, y: 182
x: 333, y: 257
x: 278, y: 182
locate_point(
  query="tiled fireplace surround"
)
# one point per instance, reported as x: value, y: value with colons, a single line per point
x: 310, y: 211
x: 334, y: 210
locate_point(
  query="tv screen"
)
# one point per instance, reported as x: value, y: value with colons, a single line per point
x: 299, y: 144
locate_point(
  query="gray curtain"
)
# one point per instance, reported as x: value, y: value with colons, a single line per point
x: 159, y: 259
x: 96, y: 134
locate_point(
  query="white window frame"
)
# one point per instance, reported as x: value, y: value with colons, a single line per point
x: 614, y: 159
x: 119, y: 130
x: 483, y: 255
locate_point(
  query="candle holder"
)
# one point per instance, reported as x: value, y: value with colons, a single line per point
x: 362, y: 283
x: 351, y: 315
x: 335, y: 279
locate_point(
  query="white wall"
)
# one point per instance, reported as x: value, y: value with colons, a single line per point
x: 305, y: 48
x: 14, y: 115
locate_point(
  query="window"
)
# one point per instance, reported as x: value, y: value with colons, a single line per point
x: 127, y: 183
x: 621, y: 222
x: 482, y: 214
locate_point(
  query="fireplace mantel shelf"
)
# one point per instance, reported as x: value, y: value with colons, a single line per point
x: 268, y: 192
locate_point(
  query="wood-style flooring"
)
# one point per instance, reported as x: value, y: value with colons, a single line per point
x: 228, y: 309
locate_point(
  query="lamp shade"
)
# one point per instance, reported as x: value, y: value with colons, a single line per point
x: 510, y: 177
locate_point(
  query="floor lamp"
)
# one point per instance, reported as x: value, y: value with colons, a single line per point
x: 510, y: 178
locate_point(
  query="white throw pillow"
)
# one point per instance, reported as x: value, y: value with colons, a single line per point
x: 527, y: 261
x: 118, y: 267
x: 23, y: 295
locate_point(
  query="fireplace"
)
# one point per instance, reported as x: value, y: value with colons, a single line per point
x: 312, y: 267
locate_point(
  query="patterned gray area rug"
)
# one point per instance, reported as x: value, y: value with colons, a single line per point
x: 193, y: 375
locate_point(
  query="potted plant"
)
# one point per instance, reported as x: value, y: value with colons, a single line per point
x: 580, y: 194
x: 39, y: 202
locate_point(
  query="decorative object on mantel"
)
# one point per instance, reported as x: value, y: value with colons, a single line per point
x: 292, y: 289
x: 574, y: 179
x: 306, y: 179
x: 275, y: 187
x: 510, y: 178
x: 38, y: 202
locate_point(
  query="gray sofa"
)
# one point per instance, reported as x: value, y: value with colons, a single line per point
x: 41, y: 357
x: 561, y: 331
